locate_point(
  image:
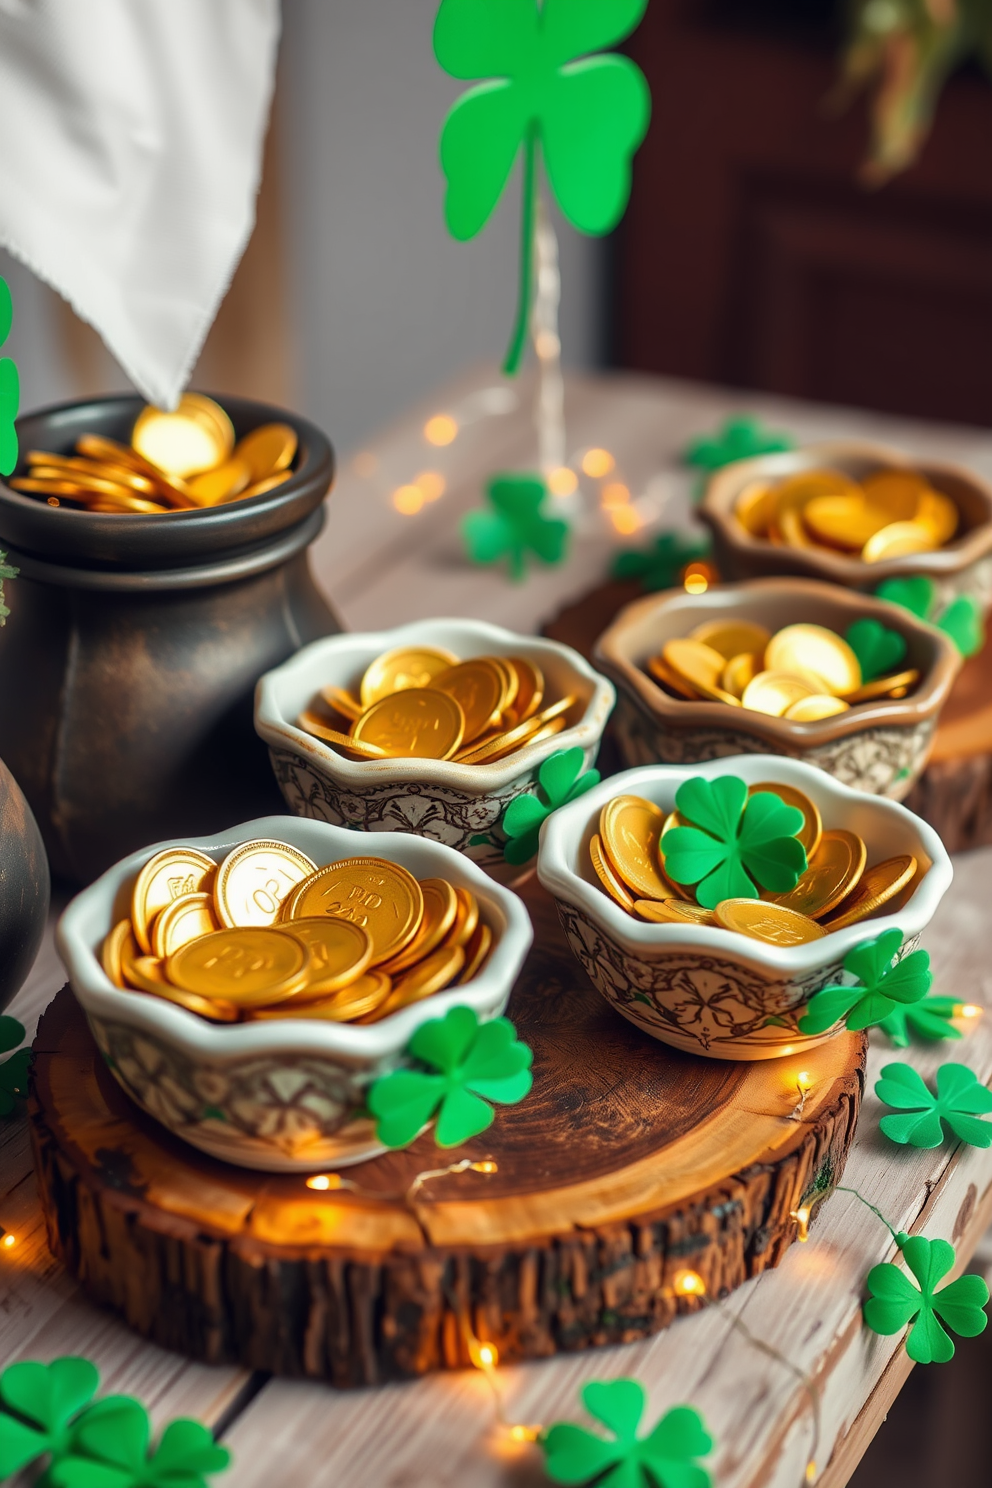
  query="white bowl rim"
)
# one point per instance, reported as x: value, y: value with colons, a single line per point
x: 221, y: 1042
x: 475, y: 780
x: 637, y: 936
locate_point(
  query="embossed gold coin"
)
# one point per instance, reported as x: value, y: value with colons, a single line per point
x: 673, y: 912
x: 169, y: 875
x: 185, y: 919
x: 878, y: 884
x: 478, y: 687
x: 380, y: 896
x: 417, y: 723
x: 731, y: 637
x: 339, y: 950
x: 248, y: 965
x: 835, y: 867
x: 405, y: 667
x: 362, y: 996
x: 255, y: 878
x: 439, y: 917
x: 630, y: 829
x: 763, y: 920
x: 610, y: 880
x: 321, y: 730
x: 812, y: 828
x: 814, y: 648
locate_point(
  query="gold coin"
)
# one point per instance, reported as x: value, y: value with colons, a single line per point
x: 342, y: 702
x: 510, y: 682
x: 812, y: 829
x: 407, y: 666
x: 938, y: 513
x: 98, y: 447
x: 696, y: 662
x: 813, y: 648
x: 756, y: 506
x: 835, y: 867
x: 546, y: 731
x: 267, y: 450
x: 311, y: 724
x: 169, y: 875
x: 895, y: 494
x: 184, y: 442
x: 739, y: 671
x: 466, y: 919
x: 673, y: 912
x: 895, y: 684
x: 74, y: 467
x: 795, y: 491
x: 339, y: 950
x: 270, y: 483
x: 762, y: 920
x: 812, y: 709
x: 530, y: 688
x: 361, y: 996
x: 255, y: 878
x: 876, y: 887
x: 478, y: 687
x: 183, y: 920
x: 200, y: 406
x: 211, y: 487
x: 791, y: 529
x: 425, y: 979
x: 380, y: 896
x: 669, y: 677
x: 604, y: 872
x: 843, y: 521
x: 248, y: 965
x: 897, y: 540
x: 439, y: 917
x: 731, y: 637
x: 476, y: 952
x: 110, y: 951
x: 417, y: 723
x: 775, y: 692
x: 630, y: 829
x: 521, y: 734
x: 145, y: 973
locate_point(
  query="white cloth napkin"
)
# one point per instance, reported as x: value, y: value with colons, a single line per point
x: 131, y: 150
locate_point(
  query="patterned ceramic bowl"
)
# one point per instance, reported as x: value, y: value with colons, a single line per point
x: 280, y: 1096
x: 711, y: 991
x: 964, y: 566
x: 880, y: 747
x: 459, y: 805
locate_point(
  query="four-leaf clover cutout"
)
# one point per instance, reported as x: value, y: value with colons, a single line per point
x: 659, y: 566
x: 928, y: 1019
x: 879, y: 986
x: 515, y: 526
x: 10, y: 389
x: 959, y: 1103
x: 665, y: 1458
x: 737, y: 841
x: 13, y: 1071
x: 560, y: 780
x: 543, y: 90
x: 894, y: 1301
x: 469, y: 1065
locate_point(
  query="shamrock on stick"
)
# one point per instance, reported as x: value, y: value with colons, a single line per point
x: 737, y: 842
x: 40, y: 1403
x: 929, y: 1019
x: 665, y: 1458
x: 516, y: 525
x: 958, y: 1105
x: 894, y: 1301
x: 560, y: 780
x: 111, y: 1450
x: 470, y: 1064
x: 544, y: 93
x: 659, y: 566
x: 880, y: 986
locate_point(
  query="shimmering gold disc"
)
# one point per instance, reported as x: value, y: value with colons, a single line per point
x: 342, y: 702
x: 224, y: 481
x: 835, y: 868
x: 429, y: 976
x: 673, y: 912
x: 440, y: 914
x: 466, y: 919
x: 814, y: 648
x: 604, y: 872
x: 312, y: 724
x: 167, y: 876
x: 896, y: 684
x: 878, y: 884
x: 380, y: 896
x: 843, y: 521
x: 895, y: 494
x: 812, y: 828
x: 755, y: 507
x: 266, y: 450
x: 349, y: 1005
x: 182, y: 443
x: 697, y: 663
x: 489, y: 750
x: 339, y: 950
x: 775, y: 692
x: 181, y: 921
x: 812, y: 709
x: 418, y: 723
x: 739, y: 671
x: 146, y: 974
x: 110, y: 951
x: 669, y: 677
x: 630, y: 829
x: 478, y: 688
x: 405, y: 667
x: 731, y: 637
x: 249, y: 965
x: 938, y: 512
x: 772, y: 923
x: 530, y: 688
x: 476, y: 952
x: 897, y: 540
x: 255, y: 878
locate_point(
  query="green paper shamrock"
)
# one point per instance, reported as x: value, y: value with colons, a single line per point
x: 895, y: 1301
x: 110, y: 1450
x: 517, y: 526
x: 929, y: 1019
x: 737, y: 439
x: 665, y: 1458
x: 40, y: 1404
x: 7, y: 571
x: 958, y: 1104
x: 544, y: 92
x: 916, y: 593
x: 560, y: 780
x: 659, y: 566
x: 10, y: 390
x: 13, y: 1071
x: 962, y: 621
x: 745, y: 840
x: 879, y: 989
x: 878, y: 649
x: 475, y: 1063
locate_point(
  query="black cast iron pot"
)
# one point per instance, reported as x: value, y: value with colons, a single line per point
x: 24, y: 887
x: 129, y: 661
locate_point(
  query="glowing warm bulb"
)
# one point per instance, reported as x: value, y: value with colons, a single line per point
x: 324, y: 1181
x: 483, y: 1355
x: 547, y: 345
x: 408, y: 500
x: 562, y: 482
x: 597, y: 463
x: 689, y: 1284
x: 431, y: 484
x: 613, y: 495
x: 811, y: 1471
x: 486, y: 1166
x: 801, y: 1216
x: 696, y: 579
x: 8, y: 1241
x: 441, y: 429
x: 804, y: 1080
x: 525, y: 1433
x: 968, y: 1010
x: 625, y: 520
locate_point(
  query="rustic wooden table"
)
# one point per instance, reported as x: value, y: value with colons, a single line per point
x: 382, y: 566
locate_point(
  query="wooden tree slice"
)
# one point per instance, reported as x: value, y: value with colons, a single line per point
x: 627, y: 1163
x: 954, y: 793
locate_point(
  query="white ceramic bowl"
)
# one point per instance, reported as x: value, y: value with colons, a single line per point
x: 283, y: 1095
x: 711, y: 991
x: 459, y: 805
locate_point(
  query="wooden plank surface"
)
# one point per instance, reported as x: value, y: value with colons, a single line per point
x: 381, y: 568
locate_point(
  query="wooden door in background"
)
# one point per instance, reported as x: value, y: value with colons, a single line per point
x: 750, y: 253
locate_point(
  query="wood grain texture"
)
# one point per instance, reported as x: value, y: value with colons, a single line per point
x: 629, y: 1162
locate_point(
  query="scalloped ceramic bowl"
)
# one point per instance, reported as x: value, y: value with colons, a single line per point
x: 963, y: 566
x: 281, y: 1096
x: 881, y: 747
x: 711, y: 991
x: 459, y: 805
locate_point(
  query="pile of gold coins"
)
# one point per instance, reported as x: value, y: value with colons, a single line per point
x: 267, y: 934
x: 888, y: 514
x: 420, y: 702
x: 838, y: 888
x: 175, y: 462
x: 803, y: 672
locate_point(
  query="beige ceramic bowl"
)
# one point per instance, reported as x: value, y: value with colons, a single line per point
x: 964, y: 566
x: 879, y: 747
